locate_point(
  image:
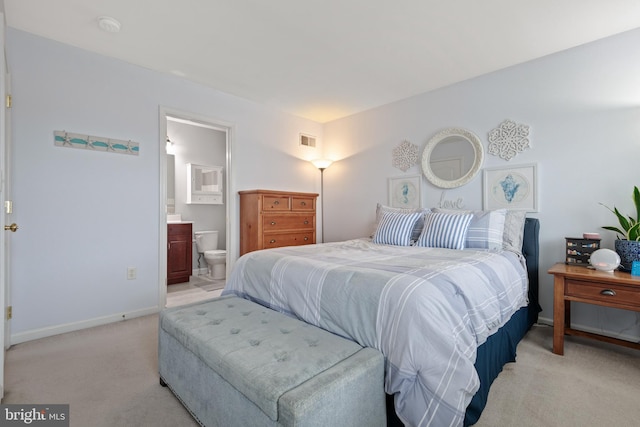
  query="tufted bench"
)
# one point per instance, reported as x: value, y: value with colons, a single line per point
x: 236, y: 363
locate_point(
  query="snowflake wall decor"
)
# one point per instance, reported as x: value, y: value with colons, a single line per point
x: 405, y: 155
x: 508, y: 139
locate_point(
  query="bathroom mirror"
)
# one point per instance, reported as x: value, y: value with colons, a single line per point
x: 452, y: 158
x: 204, y: 184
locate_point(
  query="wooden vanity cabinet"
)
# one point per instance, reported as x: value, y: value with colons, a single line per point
x: 179, y: 248
x: 272, y: 219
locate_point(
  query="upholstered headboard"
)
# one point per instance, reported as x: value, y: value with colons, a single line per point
x: 531, y: 252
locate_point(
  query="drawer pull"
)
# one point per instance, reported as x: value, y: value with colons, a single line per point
x: 303, y: 203
x: 273, y: 223
x: 608, y: 292
x: 306, y: 222
x: 306, y: 238
x: 277, y: 202
x: 272, y: 241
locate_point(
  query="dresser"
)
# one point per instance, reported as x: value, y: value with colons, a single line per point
x: 272, y: 219
x: 179, y: 247
x: 585, y: 285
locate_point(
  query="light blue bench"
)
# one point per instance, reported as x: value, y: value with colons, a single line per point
x: 236, y: 363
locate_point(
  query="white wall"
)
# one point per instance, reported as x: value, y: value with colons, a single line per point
x: 85, y: 216
x: 583, y: 106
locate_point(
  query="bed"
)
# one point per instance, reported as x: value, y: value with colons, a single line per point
x: 446, y: 320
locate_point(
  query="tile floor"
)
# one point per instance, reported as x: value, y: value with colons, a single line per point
x: 192, y: 291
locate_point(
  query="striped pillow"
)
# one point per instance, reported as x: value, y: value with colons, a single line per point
x: 486, y: 229
x: 442, y: 230
x: 395, y: 228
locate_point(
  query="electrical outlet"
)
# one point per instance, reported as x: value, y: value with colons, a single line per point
x: 131, y: 273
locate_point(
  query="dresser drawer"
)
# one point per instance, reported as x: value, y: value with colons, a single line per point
x: 303, y: 203
x: 288, y: 222
x: 288, y: 239
x: 604, y: 292
x: 276, y: 203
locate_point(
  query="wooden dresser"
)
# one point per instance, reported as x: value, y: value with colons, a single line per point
x: 272, y: 219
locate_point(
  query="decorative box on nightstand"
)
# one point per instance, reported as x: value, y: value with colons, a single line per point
x: 579, y: 250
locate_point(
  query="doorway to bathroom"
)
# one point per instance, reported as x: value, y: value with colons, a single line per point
x: 193, y: 143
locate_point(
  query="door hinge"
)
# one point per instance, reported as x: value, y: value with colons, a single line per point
x: 9, y: 101
x: 8, y: 206
x: 9, y: 312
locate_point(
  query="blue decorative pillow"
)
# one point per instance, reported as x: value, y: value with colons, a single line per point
x: 443, y: 230
x: 395, y: 228
x: 486, y: 229
x: 417, y: 229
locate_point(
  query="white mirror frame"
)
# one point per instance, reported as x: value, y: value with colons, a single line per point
x: 439, y: 137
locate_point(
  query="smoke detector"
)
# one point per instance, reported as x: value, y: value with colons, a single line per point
x: 109, y: 24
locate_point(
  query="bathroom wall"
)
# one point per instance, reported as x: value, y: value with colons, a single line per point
x: 203, y: 146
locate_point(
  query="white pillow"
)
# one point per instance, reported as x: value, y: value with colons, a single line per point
x: 514, y: 230
x: 444, y: 230
x: 395, y: 228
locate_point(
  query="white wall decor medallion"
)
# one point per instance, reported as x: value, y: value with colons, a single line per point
x: 511, y: 188
x: 405, y: 155
x: 508, y: 139
x: 404, y: 192
x: 95, y: 143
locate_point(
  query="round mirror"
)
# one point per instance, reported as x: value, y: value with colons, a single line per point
x: 452, y: 158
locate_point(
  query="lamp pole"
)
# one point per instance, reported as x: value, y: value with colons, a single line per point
x: 322, y: 200
x: 322, y: 164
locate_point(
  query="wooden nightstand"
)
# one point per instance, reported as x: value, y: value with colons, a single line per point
x: 581, y: 284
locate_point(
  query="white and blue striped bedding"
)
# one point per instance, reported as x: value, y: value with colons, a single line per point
x: 425, y: 309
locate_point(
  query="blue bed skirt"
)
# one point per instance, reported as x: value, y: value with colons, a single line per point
x: 499, y: 349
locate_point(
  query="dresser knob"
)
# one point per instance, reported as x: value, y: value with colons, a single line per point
x: 273, y: 223
x: 306, y: 222
x: 272, y: 241
x: 277, y: 202
x: 608, y: 292
x: 306, y: 238
x: 303, y: 203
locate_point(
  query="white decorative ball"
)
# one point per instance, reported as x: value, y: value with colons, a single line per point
x: 604, y: 260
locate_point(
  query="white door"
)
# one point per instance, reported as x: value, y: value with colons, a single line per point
x: 5, y: 237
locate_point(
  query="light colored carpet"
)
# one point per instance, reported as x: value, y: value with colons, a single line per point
x: 109, y: 376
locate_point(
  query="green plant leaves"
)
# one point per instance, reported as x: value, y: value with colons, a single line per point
x: 630, y: 227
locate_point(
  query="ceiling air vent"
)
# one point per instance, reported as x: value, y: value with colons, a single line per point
x: 307, y: 140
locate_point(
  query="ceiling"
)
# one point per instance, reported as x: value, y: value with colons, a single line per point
x: 326, y: 59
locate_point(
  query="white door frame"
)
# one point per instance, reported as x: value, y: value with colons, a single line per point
x: 5, y: 197
x: 220, y: 125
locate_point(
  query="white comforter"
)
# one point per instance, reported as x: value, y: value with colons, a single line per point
x: 425, y: 309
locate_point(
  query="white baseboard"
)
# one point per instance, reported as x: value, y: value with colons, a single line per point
x: 76, y: 326
x: 549, y: 322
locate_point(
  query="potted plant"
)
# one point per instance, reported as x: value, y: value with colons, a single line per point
x: 627, y: 245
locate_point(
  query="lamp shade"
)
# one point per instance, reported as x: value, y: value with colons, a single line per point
x: 322, y: 163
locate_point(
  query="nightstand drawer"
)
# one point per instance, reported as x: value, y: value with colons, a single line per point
x: 607, y: 293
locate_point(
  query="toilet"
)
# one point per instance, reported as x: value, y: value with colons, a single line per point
x: 207, y: 244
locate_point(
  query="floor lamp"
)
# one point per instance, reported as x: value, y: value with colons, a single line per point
x: 322, y: 164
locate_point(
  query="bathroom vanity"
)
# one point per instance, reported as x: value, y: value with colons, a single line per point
x: 179, y: 247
